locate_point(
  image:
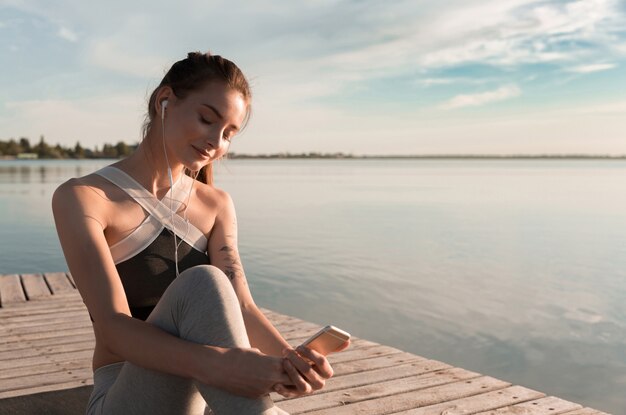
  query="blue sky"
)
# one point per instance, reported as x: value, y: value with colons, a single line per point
x: 363, y: 77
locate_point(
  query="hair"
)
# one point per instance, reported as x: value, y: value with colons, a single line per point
x: 193, y: 73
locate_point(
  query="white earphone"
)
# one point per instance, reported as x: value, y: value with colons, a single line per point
x: 163, y: 107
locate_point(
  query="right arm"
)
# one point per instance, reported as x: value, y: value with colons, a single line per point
x: 81, y: 218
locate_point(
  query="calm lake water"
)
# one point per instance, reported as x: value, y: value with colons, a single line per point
x: 515, y: 269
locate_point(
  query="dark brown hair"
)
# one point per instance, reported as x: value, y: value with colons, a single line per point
x: 193, y: 73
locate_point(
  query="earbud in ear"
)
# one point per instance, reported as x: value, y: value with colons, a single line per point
x: 163, y: 107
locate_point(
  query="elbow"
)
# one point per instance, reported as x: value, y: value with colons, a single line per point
x: 110, y: 330
x: 248, y: 308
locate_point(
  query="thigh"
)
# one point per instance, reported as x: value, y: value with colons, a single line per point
x: 142, y: 391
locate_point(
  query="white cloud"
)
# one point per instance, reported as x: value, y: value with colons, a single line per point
x: 472, y: 100
x: 597, y: 67
x: 67, y: 34
x: 436, y: 81
x: 107, y: 53
x: 620, y: 48
x: 428, y: 82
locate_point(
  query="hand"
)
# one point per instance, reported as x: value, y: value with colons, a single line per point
x: 251, y: 373
x: 307, y: 370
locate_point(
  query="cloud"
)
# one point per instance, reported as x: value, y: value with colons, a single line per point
x: 473, y: 100
x: 106, y: 53
x: 436, y: 81
x: 597, y: 67
x: 67, y: 34
x: 428, y: 82
x: 519, y: 32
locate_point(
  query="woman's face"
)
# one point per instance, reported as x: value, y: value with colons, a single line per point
x: 199, y: 128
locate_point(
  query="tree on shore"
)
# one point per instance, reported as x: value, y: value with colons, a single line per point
x: 13, y: 148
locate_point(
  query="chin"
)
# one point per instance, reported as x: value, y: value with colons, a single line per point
x: 195, y: 167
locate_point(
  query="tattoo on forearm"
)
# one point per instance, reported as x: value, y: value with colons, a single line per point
x: 233, y: 266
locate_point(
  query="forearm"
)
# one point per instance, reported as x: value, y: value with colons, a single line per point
x: 262, y: 334
x: 149, y: 346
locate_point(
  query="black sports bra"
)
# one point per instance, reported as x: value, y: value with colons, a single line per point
x: 145, y: 258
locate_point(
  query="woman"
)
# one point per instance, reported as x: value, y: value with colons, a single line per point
x: 154, y: 256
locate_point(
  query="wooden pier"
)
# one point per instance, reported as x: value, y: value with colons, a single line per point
x: 47, y: 341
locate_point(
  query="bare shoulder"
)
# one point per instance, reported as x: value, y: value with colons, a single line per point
x: 213, y: 197
x: 90, y: 193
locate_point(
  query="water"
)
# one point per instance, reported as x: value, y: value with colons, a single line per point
x: 511, y: 268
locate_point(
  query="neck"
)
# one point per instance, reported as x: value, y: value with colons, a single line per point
x: 149, y: 166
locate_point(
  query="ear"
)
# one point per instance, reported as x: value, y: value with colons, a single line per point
x: 165, y: 94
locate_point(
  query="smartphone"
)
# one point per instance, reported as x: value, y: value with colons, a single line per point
x: 327, y: 340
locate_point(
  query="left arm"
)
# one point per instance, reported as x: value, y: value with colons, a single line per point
x: 305, y: 377
x: 224, y: 254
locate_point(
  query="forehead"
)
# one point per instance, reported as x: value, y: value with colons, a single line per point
x: 220, y: 96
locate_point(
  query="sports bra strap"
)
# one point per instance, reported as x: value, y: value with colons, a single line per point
x: 157, y: 208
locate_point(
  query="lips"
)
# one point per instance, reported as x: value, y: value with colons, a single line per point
x: 203, y: 153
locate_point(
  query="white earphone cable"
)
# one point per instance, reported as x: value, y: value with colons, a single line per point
x: 172, y: 213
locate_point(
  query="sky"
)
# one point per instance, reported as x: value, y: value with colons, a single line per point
x: 360, y: 77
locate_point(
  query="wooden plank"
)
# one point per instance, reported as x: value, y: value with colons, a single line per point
x: 52, y: 358
x: 8, y: 326
x: 45, y: 316
x: 585, y: 411
x: 11, y: 290
x: 376, y: 390
x: 46, y: 388
x: 59, y: 283
x: 362, y: 353
x: 30, y: 381
x: 35, y: 287
x: 482, y: 402
x: 8, y: 335
x: 544, y: 406
x: 296, y: 325
x: 414, y: 398
x: 19, y: 345
x: 384, y: 374
x: 46, y: 350
x: 42, y: 369
x: 377, y: 376
x: 40, y: 307
x: 355, y: 366
x: 48, y: 334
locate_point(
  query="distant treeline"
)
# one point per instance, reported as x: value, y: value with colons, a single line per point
x: 22, y: 148
x: 43, y: 150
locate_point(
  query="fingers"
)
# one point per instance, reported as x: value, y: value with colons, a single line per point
x: 320, y: 363
x: 286, y: 391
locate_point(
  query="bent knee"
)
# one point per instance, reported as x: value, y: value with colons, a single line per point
x: 205, y: 276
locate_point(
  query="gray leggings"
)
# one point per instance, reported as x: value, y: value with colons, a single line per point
x: 200, y: 306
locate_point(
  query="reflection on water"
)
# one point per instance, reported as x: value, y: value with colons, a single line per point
x: 45, y: 171
x: 514, y: 269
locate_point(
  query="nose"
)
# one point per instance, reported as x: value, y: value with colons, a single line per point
x: 214, y: 138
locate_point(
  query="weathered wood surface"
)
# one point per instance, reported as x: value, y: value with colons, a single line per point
x: 47, y: 341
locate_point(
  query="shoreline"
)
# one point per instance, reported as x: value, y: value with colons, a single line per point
x: 303, y: 156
